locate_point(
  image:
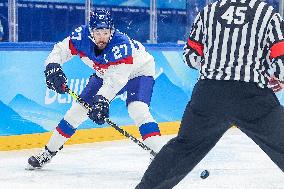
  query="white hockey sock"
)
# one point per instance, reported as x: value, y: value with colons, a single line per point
x: 154, y: 142
x: 60, y: 135
x: 67, y: 126
x: 56, y: 141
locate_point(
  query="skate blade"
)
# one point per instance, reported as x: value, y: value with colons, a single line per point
x: 31, y: 168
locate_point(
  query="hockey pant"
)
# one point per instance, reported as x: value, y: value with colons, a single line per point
x: 214, y: 107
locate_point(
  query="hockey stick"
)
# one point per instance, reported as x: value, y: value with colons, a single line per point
x: 112, y: 124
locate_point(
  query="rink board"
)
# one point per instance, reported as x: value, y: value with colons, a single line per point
x: 27, y: 141
x: 27, y: 106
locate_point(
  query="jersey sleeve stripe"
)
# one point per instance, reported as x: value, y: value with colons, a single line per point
x: 198, y: 47
x: 72, y: 48
x: 127, y: 60
x: 277, y: 50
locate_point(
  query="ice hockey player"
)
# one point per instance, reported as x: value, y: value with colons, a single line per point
x: 121, y: 64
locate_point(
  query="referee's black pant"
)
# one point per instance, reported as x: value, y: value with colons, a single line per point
x: 214, y: 107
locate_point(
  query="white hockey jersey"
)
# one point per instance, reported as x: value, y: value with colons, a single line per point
x: 122, y: 60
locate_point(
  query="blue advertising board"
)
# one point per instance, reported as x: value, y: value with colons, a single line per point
x: 27, y: 106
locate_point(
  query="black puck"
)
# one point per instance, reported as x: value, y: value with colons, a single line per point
x: 204, y: 174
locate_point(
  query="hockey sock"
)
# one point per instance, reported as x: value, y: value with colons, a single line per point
x: 150, y: 133
x: 60, y: 135
x: 149, y: 129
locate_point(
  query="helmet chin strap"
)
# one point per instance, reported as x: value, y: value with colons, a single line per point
x: 91, y: 37
x: 111, y: 34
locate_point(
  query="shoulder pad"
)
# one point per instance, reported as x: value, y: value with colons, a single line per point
x: 79, y: 33
x: 79, y: 36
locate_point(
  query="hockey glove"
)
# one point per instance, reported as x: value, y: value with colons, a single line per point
x: 55, y: 78
x: 100, y: 110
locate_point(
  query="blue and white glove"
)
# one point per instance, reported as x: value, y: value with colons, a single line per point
x: 55, y: 78
x: 100, y: 110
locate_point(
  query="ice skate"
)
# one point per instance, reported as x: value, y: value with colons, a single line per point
x: 39, y: 160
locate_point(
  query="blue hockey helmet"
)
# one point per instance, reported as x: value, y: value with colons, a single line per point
x: 101, y: 19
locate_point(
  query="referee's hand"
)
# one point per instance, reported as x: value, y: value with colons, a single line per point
x: 275, y: 84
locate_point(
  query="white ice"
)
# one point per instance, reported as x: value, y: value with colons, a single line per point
x: 236, y: 162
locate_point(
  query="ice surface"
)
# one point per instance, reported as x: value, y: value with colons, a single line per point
x: 234, y: 163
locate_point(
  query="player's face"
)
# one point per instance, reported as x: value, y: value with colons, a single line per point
x: 101, y: 37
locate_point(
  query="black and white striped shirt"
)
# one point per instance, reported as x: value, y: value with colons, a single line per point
x: 237, y: 40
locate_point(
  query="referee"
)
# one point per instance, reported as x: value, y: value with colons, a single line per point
x: 238, y: 48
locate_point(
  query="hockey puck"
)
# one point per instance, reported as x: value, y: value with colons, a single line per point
x: 204, y: 174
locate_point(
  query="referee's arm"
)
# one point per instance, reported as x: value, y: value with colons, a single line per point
x: 193, y: 53
x: 275, y: 41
